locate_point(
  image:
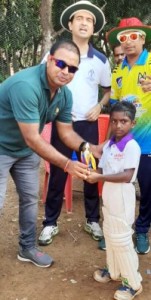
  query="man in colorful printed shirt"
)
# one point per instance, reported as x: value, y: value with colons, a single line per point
x: 131, y: 81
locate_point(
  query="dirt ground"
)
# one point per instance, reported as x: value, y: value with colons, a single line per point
x: 75, y: 253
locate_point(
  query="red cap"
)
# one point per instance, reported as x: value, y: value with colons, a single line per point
x: 126, y: 24
x: 129, y: 22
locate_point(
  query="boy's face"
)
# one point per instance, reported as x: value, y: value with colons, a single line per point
x: 121, y: 124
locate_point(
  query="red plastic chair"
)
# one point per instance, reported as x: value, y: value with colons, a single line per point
x: 103, y: 125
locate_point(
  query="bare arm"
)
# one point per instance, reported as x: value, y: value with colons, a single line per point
x: 106, y: 96
x: 125, y: 176
x: 34, y: 141
x: 94, y: 112
x: 70, y: 138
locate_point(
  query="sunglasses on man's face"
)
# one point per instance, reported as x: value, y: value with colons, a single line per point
x: 62, y: 65
x: 123, y: 38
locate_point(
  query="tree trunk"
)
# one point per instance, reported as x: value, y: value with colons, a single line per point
x: 46, y: 23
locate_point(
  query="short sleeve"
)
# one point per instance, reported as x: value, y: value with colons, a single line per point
x: 24, y: 103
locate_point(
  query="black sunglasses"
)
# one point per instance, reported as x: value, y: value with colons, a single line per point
x: 62, y: 65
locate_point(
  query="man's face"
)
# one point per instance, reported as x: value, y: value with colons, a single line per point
x: 57, y: 76
x: 118, y: 55
x: 132, y: 47
x: 82, y: 25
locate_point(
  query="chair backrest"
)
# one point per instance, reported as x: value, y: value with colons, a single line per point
x: 103, y: 125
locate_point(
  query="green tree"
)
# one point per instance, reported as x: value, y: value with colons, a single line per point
x: 114, y: 11
x: 20, y: 33
x: 28, y: 27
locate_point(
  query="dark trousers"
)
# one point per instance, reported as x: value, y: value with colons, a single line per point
x: 54, y: 200
x: 144, y: 179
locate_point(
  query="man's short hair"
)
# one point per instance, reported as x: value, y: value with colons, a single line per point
x: 115, y: 46
x: 66, y: 44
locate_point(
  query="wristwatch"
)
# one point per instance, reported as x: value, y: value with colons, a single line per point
x: 101, y: 105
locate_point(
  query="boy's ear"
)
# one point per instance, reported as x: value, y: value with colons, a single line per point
x: 133, y: 123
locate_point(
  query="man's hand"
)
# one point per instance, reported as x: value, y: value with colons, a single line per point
x: 146, y: 84
x: 93, y: 113
x: 77, y: 169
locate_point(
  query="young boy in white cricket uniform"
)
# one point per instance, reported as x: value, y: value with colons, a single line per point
x: 118, y: 169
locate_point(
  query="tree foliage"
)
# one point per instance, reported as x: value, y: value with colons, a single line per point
x: 26, y: 25
x: 20, y: 33
x: 114, y: 11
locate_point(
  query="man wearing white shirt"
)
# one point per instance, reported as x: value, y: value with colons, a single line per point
x: 82, y: 19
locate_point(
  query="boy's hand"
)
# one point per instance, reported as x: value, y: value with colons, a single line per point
x: 93, y: 177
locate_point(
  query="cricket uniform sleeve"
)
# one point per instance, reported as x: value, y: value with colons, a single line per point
x: 105, y: 81
x: 132, y: 154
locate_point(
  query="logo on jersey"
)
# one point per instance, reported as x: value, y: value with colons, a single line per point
x: 119, y: 156
x: 119, y: 82
x: 91, y: 75
x: 140, y: 76
x: 57, y: 111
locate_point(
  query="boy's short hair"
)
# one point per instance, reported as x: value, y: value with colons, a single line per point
x: 124, y: 106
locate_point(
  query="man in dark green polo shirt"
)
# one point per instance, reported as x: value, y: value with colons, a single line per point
x: 28, y: 100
